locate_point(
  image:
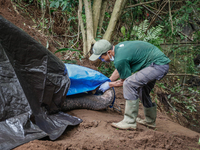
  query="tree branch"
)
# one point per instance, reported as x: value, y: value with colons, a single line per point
x: 170, y: 74
x: 151, y: 11
x: 96, y: 14
x: 89, y: 22
x: 170, y: 15
x: 82, y: 26
x: 142, y: 3
x: 119, y: 5
x: 155, y: 16
x: 102, y: 14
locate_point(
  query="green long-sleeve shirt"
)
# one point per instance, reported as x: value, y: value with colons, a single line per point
x: 132, y: 56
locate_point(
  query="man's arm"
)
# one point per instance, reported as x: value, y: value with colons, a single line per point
x: 114, y: 76
x: 116, y: 83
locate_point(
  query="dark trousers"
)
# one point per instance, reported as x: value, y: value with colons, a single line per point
x: 140, y: 84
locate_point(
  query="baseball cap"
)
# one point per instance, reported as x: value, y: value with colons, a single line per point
x: 99, y: 48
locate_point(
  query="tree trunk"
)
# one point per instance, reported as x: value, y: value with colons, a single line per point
x: 89, y: 24
x: 82, y: 27
x: 96, y: 14
x: 119, y: 5
x: 93, y: 18
x: 102, y: 14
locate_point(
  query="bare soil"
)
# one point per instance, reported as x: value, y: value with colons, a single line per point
x: 95, y: 132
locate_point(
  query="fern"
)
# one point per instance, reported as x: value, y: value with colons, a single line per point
x: 152, y: 35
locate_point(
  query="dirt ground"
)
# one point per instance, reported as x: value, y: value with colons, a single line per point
x: 95, y: 132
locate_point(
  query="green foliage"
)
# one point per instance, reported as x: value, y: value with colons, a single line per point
x: 123, y: 30
x: 70, y: 61
x: 107, y: 15
x: 142, y: 33
x: 187, y: 14
x: 151, y: 35
x: 183, y: 57
x: 64, y: 4
x: 84, y: 18
x: 181, y: 101
x: 107, y: 68
x: 133, y: 13
x: 29, y: 1
x: 43, y: 25
x: 98, y: 37
x: 161, y: 85
x: 191, y: 68
x: 196, y: 36
x: 186, y: 97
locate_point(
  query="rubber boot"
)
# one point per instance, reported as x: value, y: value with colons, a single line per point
x: 130, y: 115
x: 150, y: 117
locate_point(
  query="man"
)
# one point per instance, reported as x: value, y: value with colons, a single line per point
x: 147, y: 63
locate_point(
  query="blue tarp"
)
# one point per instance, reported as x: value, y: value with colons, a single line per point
x: 83, y: 79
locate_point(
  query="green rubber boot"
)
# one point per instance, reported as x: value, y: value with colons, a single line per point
x: 150, y: 117
x: 130, y: 115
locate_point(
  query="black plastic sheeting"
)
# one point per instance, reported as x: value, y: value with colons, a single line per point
x: 33, y: 85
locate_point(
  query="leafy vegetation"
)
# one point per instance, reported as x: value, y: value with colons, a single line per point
x: 151, y: 35
x: 107, y: 68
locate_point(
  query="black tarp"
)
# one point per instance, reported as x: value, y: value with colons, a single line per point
x: 33, y: 85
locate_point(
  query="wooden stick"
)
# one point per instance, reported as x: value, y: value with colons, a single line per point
x: 142, y: 3
x: 181, y: 43
x: 170, y: 74
x: 155, y: 9
x: 170, y: 15
x: 162, y: 11
x: 151, y: 11
x: 155, y: 16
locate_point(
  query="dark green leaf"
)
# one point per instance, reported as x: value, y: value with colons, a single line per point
x: 66, y: 49
x: 57, y: 4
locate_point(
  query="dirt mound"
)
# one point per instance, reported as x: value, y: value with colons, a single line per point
x: 96, y: 132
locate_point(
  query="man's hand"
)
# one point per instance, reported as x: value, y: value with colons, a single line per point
x: 105, y: 86
x: 117, y: 83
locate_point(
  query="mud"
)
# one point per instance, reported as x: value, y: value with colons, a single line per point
x: 95, y: 132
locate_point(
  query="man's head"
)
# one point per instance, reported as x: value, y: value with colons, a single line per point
x: 102, y: 50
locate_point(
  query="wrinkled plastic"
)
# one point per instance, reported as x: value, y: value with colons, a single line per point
x: 83, y: 79
x: 33, y: 85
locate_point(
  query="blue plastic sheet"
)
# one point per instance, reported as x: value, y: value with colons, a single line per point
x: 83, y: 79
